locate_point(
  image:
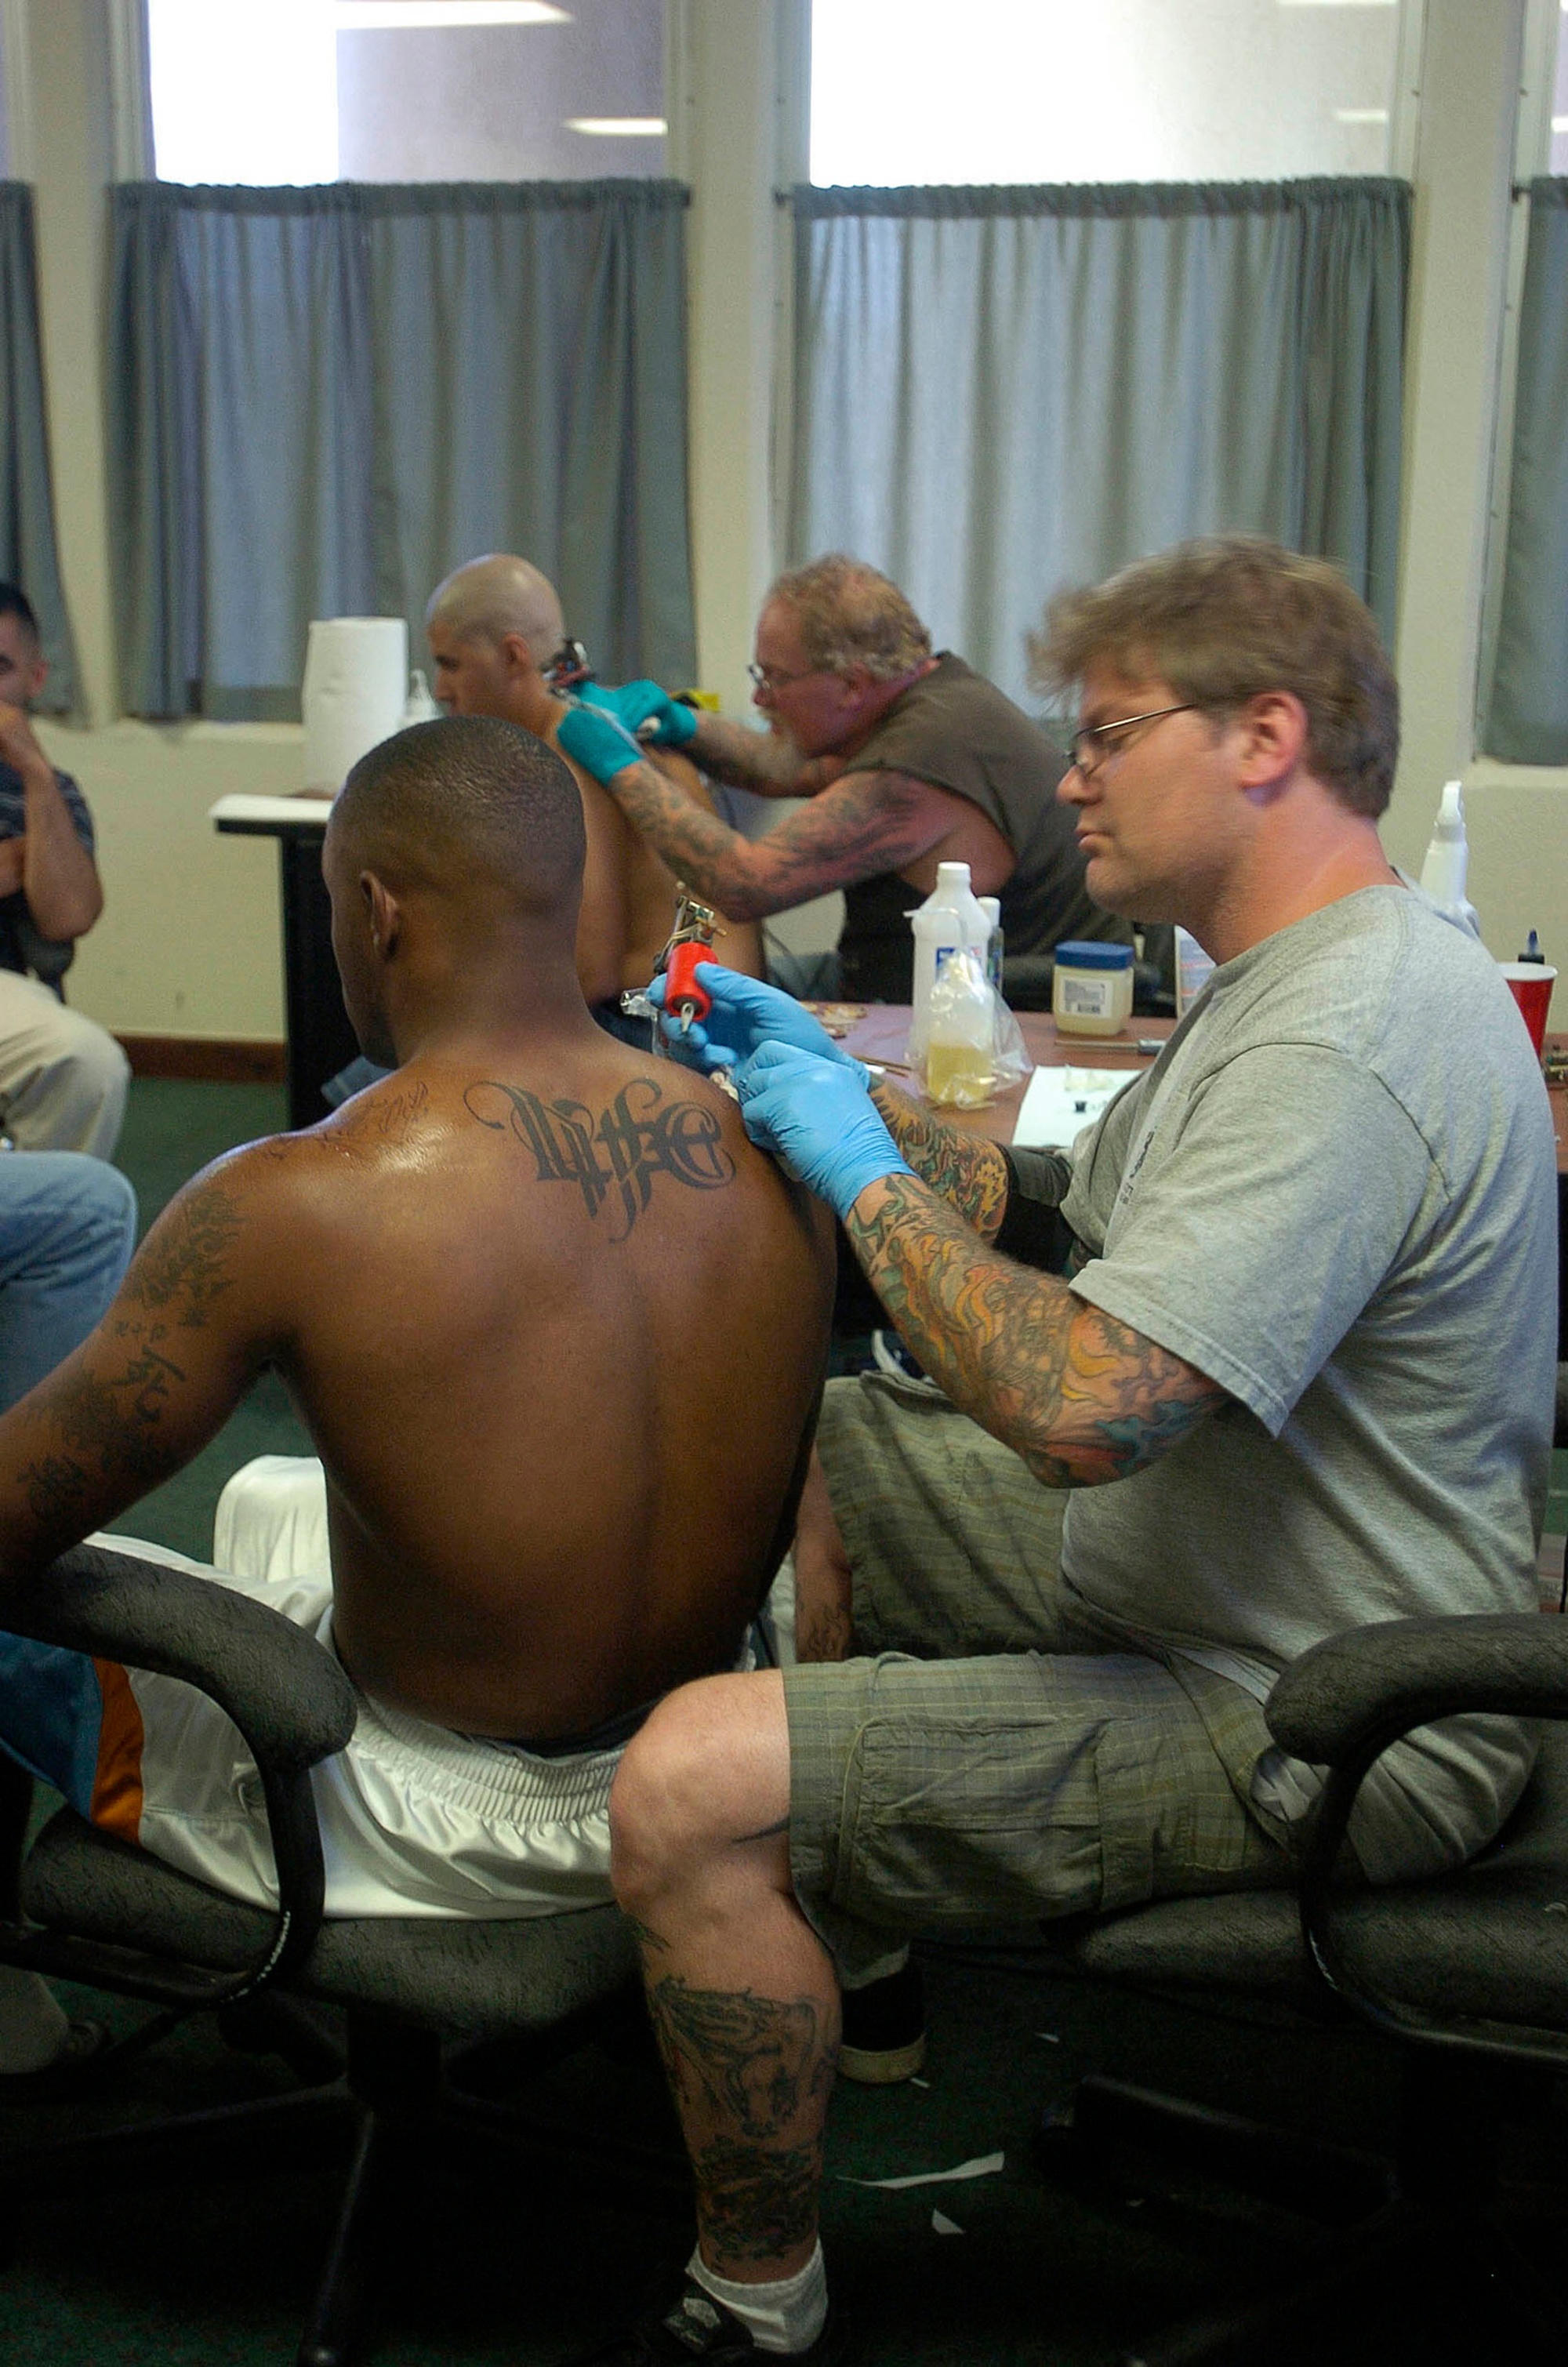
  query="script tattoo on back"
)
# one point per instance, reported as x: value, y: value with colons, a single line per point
x: 611, y: 1156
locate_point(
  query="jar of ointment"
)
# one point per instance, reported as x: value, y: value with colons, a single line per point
x: 1092, y: 991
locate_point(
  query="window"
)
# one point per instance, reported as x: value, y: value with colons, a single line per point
x: 269, y: 92
x: 906, y: 91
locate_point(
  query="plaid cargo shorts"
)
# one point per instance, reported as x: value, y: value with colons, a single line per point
x: 997, y: 1759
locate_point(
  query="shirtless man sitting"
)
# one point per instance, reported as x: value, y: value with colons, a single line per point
x: 494, y: 625
x: 557, y: 1332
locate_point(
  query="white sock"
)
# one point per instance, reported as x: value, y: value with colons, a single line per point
x: 884, y: 1969
x: 782, y: 2318
x: 33, y: 2023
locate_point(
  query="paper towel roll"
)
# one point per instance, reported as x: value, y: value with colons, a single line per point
x: 356, y: 678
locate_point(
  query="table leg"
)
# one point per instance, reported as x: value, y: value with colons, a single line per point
x: 321, y: 1040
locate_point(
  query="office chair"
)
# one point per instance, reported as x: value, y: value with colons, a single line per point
x: 1466, y: 1975
x: 434, y: 2009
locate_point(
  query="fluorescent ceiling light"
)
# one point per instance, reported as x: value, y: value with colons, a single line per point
x: 1360, y: 114
x: 411, y: 15
x: 619, y: 126
x: 1347, y: 3
x: 1560, y: 122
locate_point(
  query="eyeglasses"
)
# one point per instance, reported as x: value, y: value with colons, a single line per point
x: 1085, y: 751
x: 770, y: 678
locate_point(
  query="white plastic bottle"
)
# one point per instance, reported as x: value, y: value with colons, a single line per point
x: 419, y: 706
x: 1448, y: 860
x: 950, y: 916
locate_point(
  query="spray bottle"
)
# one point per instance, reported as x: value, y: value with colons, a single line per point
x: 1448, y: 859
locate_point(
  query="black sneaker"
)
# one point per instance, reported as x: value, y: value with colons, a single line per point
x: 885, y: 2029
x: 695, y: 2325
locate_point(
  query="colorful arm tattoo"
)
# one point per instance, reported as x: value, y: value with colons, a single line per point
x: 1080, y: 1396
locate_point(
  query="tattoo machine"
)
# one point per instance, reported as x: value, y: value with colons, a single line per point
x: 569, y: 666
x: 690, y: 942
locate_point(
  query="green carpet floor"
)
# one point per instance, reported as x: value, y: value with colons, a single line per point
x: 526, y: 2271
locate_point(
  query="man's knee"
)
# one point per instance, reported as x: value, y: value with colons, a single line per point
x: 708, y: 1771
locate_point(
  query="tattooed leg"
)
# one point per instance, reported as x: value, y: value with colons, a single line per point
x: 744, y: 2002
x: 824, y: 1602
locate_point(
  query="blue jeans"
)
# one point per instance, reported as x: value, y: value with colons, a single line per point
x: 67, y: 1229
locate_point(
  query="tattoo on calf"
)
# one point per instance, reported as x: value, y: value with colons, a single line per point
x: 613, y: 1155
x: 756, y: 2061
x: 745, y: 2072
x: 186, y: 1267
x: 753, y: 2203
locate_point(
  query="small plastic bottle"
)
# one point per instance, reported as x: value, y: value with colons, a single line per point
x: 1448, y: 860
x: 950, y: 916
x: 996, y: 943
x: 960, y: 1062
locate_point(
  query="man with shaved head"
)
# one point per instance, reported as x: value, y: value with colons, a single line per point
x: 483, y: 1281
x: 494, y: 627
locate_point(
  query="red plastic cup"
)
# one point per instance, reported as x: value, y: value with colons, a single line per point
x: 1531, y: 985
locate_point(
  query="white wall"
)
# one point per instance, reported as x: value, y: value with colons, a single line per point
x: 189, y: 943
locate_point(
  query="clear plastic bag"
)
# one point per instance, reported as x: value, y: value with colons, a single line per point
x: 975, y: 1047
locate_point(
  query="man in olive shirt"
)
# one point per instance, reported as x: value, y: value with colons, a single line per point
x: 909, y: 759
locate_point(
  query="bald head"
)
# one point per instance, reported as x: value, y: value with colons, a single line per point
x: 490, y: 597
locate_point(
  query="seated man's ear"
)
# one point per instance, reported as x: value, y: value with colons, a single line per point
x: 386, y: 915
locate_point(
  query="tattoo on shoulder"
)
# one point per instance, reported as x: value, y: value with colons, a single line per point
x: 612, y: 1155
x: 188, y: 1265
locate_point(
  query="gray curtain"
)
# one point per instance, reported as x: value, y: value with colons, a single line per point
x: 1526, y: 706
x: 27, y: 553
x: 321, y: 400
x: 1002, y: 392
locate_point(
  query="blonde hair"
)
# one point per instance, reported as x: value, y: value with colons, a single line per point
x: 850, y: 616
x: 1227, y: 617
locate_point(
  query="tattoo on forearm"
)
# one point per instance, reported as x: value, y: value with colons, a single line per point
x: 967, y: 1171
x: 1081, y: 1397
x: 187, y: 1264
x: 613, y: 1155
x: 866, y: 823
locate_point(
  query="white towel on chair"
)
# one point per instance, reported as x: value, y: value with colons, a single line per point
x: 271, y: 1520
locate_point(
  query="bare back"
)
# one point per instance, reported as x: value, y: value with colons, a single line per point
x: 557, y: 1331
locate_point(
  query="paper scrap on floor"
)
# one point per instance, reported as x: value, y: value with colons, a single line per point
x: 1061, y: 1102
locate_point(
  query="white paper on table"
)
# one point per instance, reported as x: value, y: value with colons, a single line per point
x: 1060, y: 1102
x: 984, y: 2165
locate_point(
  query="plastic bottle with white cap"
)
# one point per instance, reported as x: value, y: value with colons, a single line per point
x: 1448, y: 860
x: 950, y: 916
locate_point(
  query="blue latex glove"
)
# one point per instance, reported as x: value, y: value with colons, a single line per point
x: 635, y: 703
x: 746, y: 1014
x: 819, y: 1122
x: 599, y: 741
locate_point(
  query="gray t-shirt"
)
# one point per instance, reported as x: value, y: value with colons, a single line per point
x: 1335, y: 1193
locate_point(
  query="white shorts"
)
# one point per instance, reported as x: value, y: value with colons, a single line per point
x: 414, y: 1820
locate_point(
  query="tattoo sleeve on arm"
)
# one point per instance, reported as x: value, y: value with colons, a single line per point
x: 865, y: 824
x: 967, y: 1171
x: 1081, y: 1397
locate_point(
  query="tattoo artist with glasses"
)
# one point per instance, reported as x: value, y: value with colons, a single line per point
x: 1277, y: 1337
x: 908, y: 758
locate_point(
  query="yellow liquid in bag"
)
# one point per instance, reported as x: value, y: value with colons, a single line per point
x: 959, y: 1074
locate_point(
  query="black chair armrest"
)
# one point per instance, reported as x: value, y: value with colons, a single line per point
x: 289, y: 1699
x: 1348, y: 1697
